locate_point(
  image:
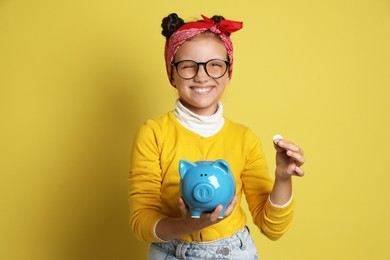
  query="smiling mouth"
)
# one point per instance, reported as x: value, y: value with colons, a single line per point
x: 202, y: 91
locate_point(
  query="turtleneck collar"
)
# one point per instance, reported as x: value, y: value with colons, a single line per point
x: 205, y: 126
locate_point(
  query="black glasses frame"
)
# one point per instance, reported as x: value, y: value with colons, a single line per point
x: 175, y: 64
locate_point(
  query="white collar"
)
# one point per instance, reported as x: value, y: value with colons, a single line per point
x: 205, y: 126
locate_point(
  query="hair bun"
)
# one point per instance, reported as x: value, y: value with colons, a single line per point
x: 217, y: 18
x: 170, y: 24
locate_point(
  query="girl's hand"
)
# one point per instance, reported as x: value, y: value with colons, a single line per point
x: 206, y: 219
x: 289, y: 159
x: 173, y: 228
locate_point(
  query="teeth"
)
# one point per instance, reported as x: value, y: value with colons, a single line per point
x: 201, y: 90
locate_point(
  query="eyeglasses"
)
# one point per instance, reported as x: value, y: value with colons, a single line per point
x: 188, y: 69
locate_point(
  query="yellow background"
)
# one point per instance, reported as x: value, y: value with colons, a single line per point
x: 77, y: 78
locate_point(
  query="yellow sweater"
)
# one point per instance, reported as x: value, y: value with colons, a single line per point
x: 154, y: 178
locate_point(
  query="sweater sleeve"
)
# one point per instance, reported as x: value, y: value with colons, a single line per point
x: 145, y: 182
x: 272, y: 221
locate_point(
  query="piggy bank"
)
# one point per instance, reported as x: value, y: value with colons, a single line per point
x: 206, y: 184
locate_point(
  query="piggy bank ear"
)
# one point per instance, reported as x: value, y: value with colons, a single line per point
x: 184, y: 166
x: 223, y: 165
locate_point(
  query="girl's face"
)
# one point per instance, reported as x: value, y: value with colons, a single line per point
x: 201, y: 93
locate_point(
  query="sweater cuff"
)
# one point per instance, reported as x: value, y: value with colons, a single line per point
x: 155, y: 233
x: 280, y: 206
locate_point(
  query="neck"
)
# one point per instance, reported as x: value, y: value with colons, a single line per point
x: 203, y: 125
x: 209, y: 111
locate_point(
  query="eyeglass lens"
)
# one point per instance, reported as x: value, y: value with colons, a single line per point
x: 188, y: 69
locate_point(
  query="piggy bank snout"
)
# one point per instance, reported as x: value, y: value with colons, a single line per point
x: 203, y: 192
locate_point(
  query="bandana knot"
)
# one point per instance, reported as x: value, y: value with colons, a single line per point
x: 223, y: 26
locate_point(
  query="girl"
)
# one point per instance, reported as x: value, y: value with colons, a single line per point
x: 199, y: 63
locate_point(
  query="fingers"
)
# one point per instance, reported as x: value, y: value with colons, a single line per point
x: 206, y: 219
x: 228, y: 210
x: 298, y: 171
x: 292, y: 150
x: 289, y: 158
x: 282, y: 144
x: 215, y: 214
x: 183, y: 208
x: 278, y: 145
x: 231, y: 207
x: 298, y: 157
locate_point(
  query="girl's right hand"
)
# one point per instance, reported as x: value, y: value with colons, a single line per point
x: 206, y: 219
x: 173, y: 228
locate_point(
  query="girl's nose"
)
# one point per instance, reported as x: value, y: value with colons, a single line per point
x: 202, y: 74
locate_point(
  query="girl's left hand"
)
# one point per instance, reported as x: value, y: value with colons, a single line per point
x: 289, y: 159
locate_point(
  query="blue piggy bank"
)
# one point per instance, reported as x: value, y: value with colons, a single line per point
x: 206, y: 184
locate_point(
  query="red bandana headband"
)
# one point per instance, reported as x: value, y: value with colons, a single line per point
x: 192, y: 29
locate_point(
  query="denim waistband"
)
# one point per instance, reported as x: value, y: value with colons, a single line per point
x: 222, y: 246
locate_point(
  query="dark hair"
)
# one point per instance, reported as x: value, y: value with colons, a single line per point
x: 170, y: 24
x: 173, y: 22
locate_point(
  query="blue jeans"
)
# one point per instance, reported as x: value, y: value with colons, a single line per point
x: 239, y: 246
